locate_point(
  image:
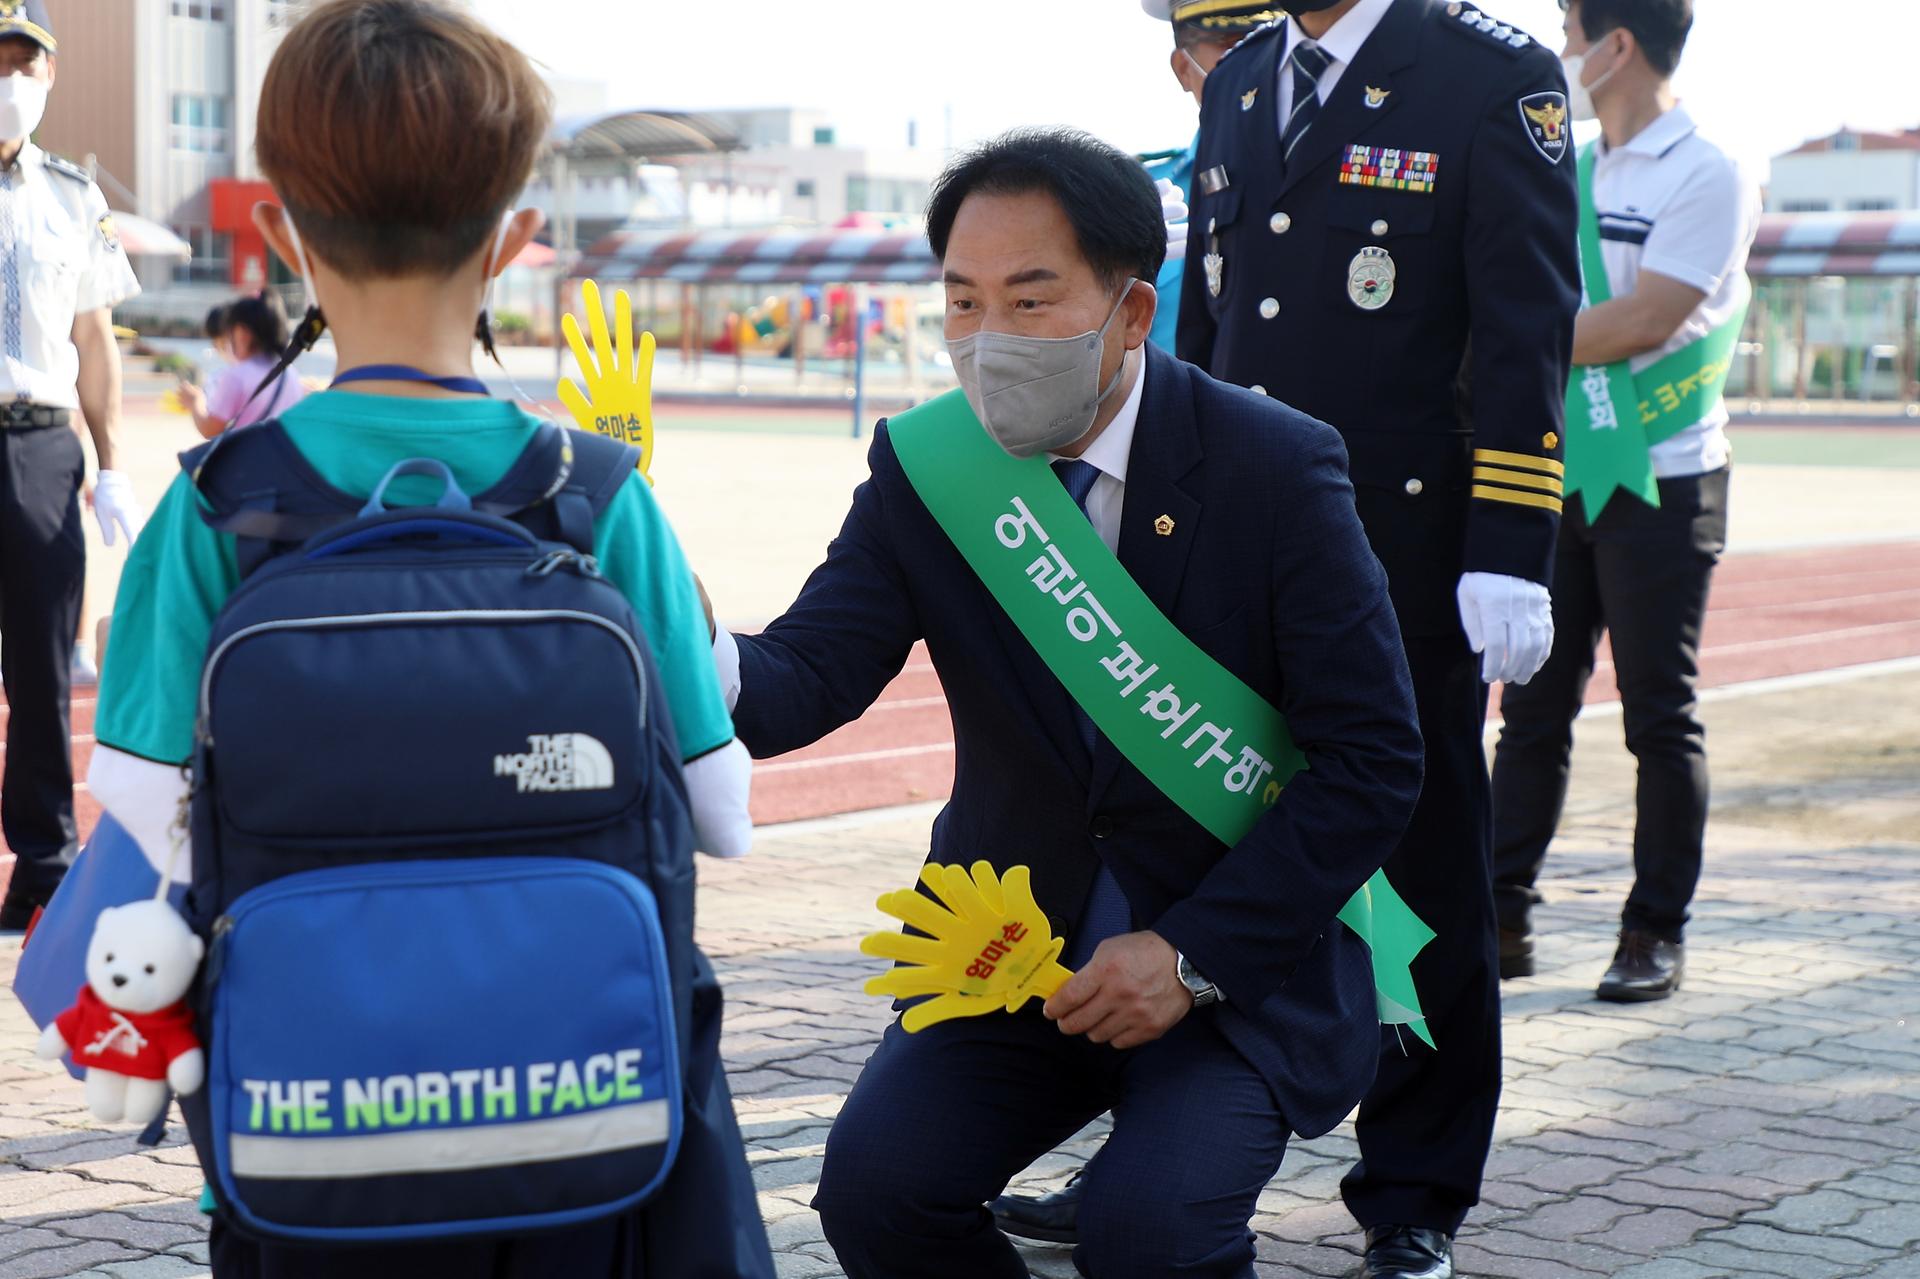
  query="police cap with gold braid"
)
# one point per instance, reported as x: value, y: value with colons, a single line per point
x: 1235, y: 17
x: 27, y: 18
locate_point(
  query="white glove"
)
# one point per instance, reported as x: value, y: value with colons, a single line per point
x: 114, y: 504
x: 1510, y: 621
x: 1173, y: 211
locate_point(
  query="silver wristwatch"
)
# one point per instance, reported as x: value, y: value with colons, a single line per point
x: 1204, y: 991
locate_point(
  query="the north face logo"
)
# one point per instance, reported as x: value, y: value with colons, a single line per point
x: 558, y: 761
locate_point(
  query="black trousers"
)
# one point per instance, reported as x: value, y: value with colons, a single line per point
x: 940, y: 1120
x: 1426, y: 1125
x: 43, y: 567
x: 1641, y: 574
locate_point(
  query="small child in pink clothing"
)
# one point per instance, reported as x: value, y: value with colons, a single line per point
x: 254, y: 332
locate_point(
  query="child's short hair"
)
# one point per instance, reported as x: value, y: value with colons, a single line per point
x: 396, y: 132
x: 216, y: 326
x: 264, y: 319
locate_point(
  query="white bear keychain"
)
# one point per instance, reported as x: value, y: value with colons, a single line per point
x: 130, y: 1027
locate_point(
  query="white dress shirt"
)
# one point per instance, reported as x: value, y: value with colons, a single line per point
x: 1673, y: 203
x: 1108, y: 455
x: 1341, y: 44
x: 58, y: 258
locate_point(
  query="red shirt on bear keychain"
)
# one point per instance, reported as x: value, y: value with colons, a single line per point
x: 127, y: 1043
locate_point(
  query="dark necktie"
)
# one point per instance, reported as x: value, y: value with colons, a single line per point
x: 1308, y: 63
x: 1106, y: 913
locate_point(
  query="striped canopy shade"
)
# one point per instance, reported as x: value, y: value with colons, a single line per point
x: 841, y: 256
x: 1807, y: 244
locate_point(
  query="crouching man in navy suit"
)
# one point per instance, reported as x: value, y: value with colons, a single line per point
x: 1217, y: 1006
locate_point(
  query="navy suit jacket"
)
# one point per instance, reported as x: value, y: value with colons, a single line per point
x: 1266, y: 569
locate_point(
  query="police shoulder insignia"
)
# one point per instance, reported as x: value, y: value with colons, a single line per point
x: 109, y: 236
x: 1253, y: 38
x: 1497, y: 34
x: 1544, y: 115
x: 68, y: 169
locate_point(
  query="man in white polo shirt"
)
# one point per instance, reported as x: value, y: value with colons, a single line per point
x: 1670, y: 217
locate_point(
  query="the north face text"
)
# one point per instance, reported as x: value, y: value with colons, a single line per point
x: 558, y: 762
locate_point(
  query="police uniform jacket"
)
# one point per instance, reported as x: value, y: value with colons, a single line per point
x: 1422, y: 239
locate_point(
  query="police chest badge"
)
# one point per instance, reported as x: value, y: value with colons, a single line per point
x: 1545, y: 117
x: 1370, y: 278
x: 109, y: 235
x: 1216, y: 273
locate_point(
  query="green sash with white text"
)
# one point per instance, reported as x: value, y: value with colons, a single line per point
x: 1211, y: 744
x: 1615, y: 415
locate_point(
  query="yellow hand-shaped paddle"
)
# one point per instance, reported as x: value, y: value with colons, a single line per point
x: 988, y: 945
x: 618, y: 401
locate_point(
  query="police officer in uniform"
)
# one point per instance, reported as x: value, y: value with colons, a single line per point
x: 61, y: 273
x: 1203, y: 31
x: 1385, y: 217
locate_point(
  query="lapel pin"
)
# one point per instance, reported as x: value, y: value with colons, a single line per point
x: 1164, y: 526
x: 1377, y: 98
x: 1246, y: 99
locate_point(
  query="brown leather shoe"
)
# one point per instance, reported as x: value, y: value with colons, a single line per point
x: 1516, y: 953
x: 1645, y: 967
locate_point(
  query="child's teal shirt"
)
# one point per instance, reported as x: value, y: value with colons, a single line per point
x: 181, y: 572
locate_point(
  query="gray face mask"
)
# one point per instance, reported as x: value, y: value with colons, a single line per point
x: 1035, y: 395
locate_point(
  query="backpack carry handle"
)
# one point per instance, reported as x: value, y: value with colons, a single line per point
x: 413, y: 526
x: 452, y: 499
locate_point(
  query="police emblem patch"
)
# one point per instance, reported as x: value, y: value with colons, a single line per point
x: 1544, y: 116
x: 1370, y: 278
x: 1216, y: 272
x: 108, y: 235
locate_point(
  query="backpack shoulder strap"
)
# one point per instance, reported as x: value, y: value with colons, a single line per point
x: 254, y: 484
x: 561, y: 483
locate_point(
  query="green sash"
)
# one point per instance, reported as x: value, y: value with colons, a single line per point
x: 1211, y: 744
x: 1613, y: 414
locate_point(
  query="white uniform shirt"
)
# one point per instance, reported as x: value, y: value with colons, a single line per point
x: 58, y: 258
x: 1672, y: 202
x: 1341, y: 43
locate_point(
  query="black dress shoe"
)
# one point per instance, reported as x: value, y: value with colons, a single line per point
x: 22, y: 900
x: 1645, y: 967
x: 1050, y: 1218
x: 1406, y: 1252
x: 1516, y: 953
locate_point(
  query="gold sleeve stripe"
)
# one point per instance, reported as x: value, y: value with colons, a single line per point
x: 1511, y: 497
x: 1495, y: 456
x: 1519, y: 479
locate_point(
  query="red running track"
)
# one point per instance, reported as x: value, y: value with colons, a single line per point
x: 1772, y: 614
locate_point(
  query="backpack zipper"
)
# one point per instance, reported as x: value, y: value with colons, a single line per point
x: 204, y: 730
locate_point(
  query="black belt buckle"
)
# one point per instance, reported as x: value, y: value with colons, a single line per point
x: 23, y: 415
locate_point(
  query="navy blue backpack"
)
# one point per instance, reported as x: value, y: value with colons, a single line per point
x: 442, y: 858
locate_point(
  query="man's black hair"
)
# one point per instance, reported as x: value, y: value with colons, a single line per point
x: 1660, y: 26
x: 1104, y: 192
x: 217, y: 322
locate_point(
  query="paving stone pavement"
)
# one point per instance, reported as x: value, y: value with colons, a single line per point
x: 1764, y: 1123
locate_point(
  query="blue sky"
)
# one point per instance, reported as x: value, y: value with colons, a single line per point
x: 1760, y: 74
